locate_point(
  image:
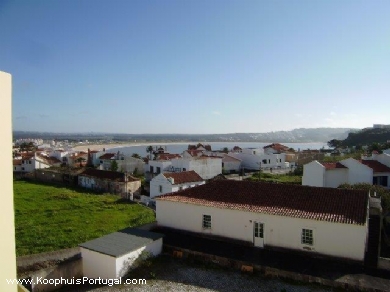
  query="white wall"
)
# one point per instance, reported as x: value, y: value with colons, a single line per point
x: 229, y: 165
x: 97, y: 265
x: 313, y: 174
x: 125, y: 262
x: 335, y: 177
x: 207, y: 168
x: 163, y: 164
x: 167, y: 187
x: 357, y: 172
x: 7, y: 226
x: 384, y: 159
x: 333, y: 239
x: 251, y: 161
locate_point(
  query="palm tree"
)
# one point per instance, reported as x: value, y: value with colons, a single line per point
x: 135, y: 155
x: 80, y: 160
x: 149, y: 149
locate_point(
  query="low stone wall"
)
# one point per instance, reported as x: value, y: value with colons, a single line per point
x: 44, y: 268
x: 348, y: 282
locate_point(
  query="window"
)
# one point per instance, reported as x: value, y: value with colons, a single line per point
x: 264, y: 161
x: 184, y: 169
x: 158, y: 169
x: 29, y: 162
x: 259, y: 230
x: 160, y: 188
x: 206, y: 224
x: 307, y: 236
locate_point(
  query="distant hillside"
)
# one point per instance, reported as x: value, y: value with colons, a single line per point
x: 367, y: 136
x: 302, y: 135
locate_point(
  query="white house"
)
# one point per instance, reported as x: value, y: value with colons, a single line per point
x: 349, y: 171
x: 275, y: 148
x: 321, y: 221
x: 252, y: 158
x: 206, y: 167
x: 169, y: 182
x: 113, y: 255
x: 28, y: 162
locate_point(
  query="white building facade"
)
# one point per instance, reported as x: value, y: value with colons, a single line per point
x: 171, y: 182
x: 340, y: 233
x: 373, y: 170
x: 255, y: 158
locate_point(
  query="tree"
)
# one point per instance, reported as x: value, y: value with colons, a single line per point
x: 80, y: 160
x: 225, y: 150
x: 114, y: 165
x: 334, y: 143
x: 149, y: 150
x: 135, y: 155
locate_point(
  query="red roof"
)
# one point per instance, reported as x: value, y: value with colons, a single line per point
x: 107, y: 156
x: 167, y: 156
x: 183, y: 177
x: 17, y: 162
x: 277, y: 147
x: 106, y: 174
x: 228, y: 158
x: 314, y: 203
x: 333, y: 165
x: 48, y: 160
x: 194, y: 152
x: 375, y: 165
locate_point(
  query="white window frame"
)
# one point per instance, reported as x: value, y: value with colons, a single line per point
x: 206, y: 221
x: 307, y: 236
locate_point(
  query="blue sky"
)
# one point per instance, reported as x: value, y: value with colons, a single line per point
x: 199, y: 66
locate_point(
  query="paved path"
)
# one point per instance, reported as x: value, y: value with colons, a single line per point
x: 176, y: 275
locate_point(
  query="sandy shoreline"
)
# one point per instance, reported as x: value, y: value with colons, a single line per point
x: 99, y: 147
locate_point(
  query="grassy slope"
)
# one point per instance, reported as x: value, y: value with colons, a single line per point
x: 277, y: 178
x: 49, y: 218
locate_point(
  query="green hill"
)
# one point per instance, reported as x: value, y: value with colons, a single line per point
x: 367, y: 137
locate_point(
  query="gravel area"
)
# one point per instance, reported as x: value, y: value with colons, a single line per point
x: 167, y: 274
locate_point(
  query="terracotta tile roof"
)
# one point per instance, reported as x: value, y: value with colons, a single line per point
x: 48, y: 160
x: 93, y: 151
x: 106, y: 174
x: 107, y: 156
x: 194, y: 152
x: 183, y: 177
x: 206, y: 157
x: 167, y: 156
x: 314, y: 203
x: 277, y: 147
x: 375, y: 165
x: 228, y: 158
x: 17, y: 162
x: 333, y: 165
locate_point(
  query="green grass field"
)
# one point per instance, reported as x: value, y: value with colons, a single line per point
x: 277, y: 178
x: 49, y: 217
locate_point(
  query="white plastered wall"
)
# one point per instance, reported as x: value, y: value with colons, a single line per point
x: 332, y: 239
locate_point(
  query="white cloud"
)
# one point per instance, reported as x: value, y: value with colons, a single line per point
x: 332, y: 113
